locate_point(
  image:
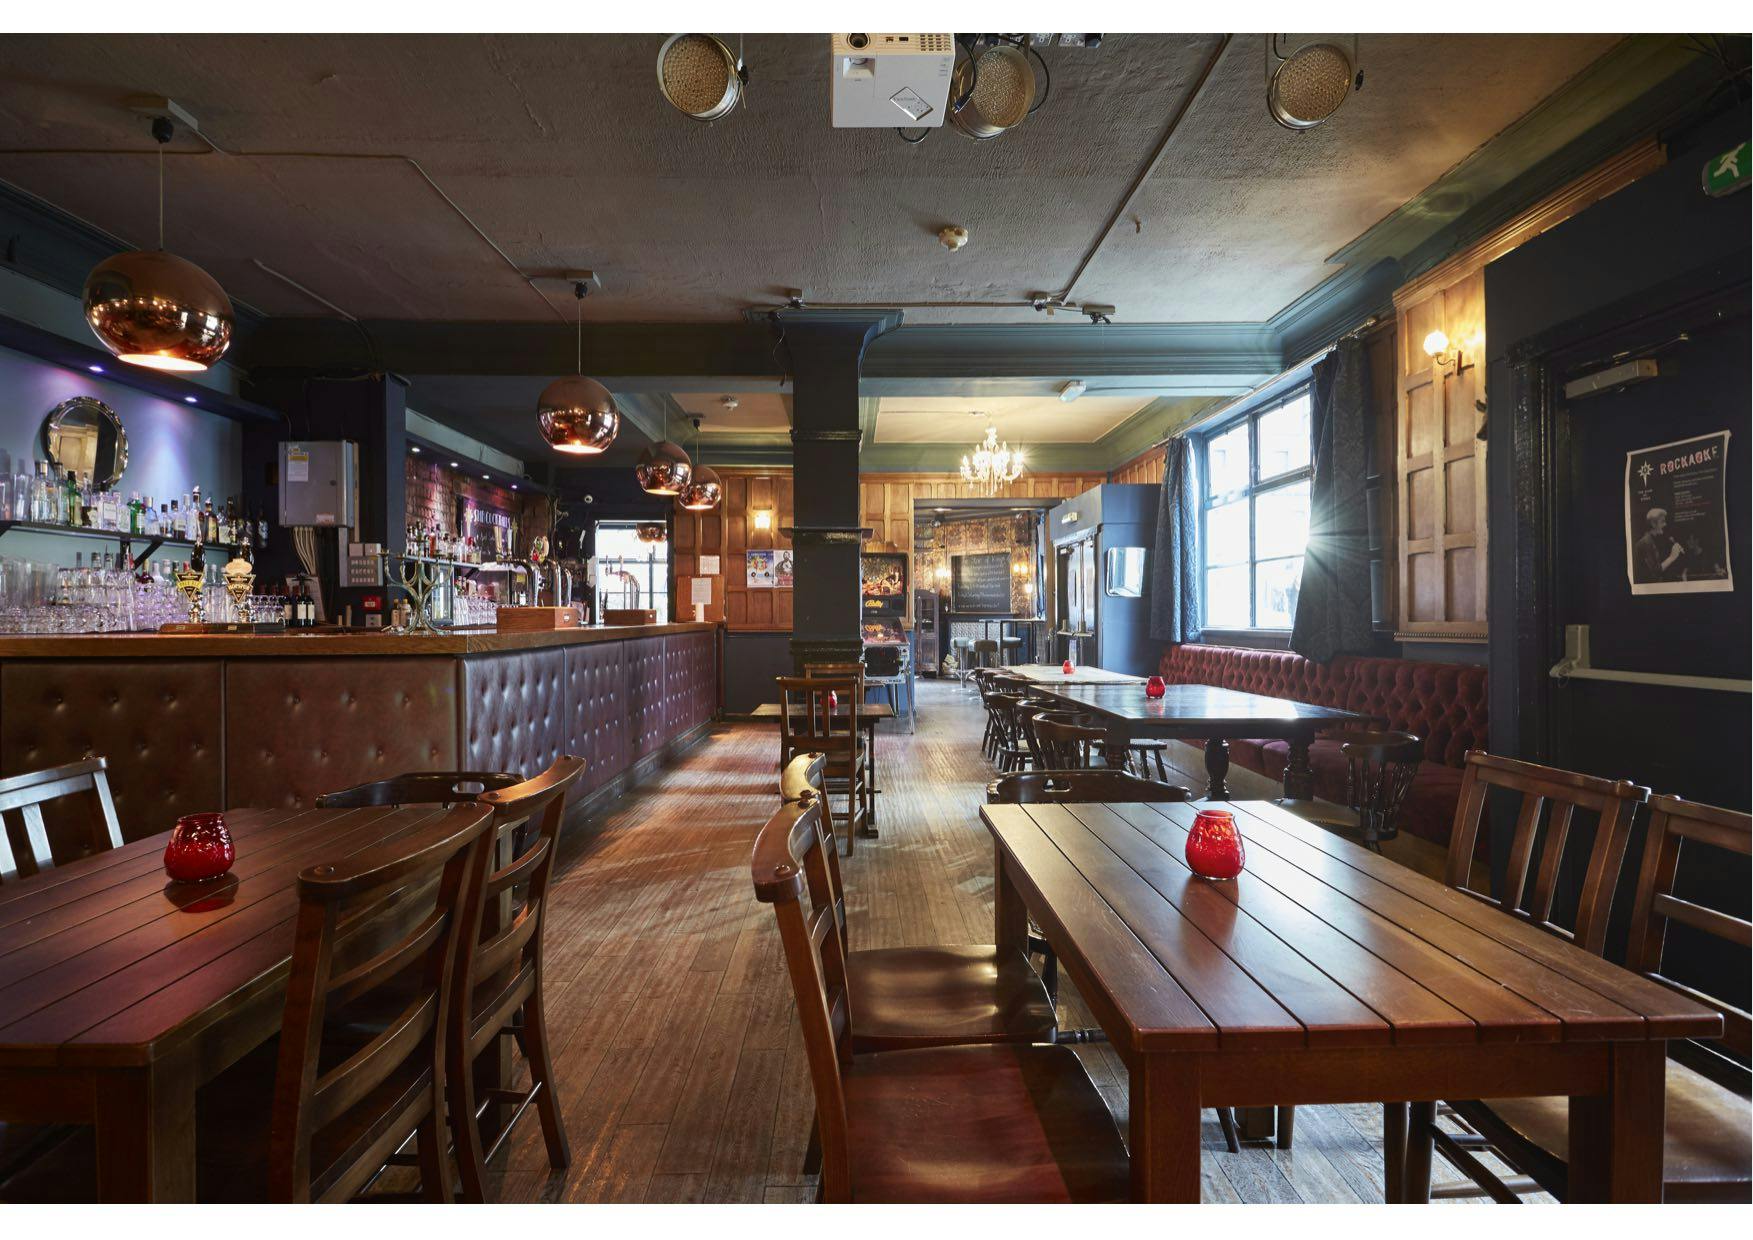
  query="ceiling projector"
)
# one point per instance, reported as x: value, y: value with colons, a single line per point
x: 889, y: 81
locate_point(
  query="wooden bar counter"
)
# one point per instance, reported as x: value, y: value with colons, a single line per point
x: 191, y: 723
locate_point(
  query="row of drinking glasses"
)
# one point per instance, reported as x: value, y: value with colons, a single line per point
x: 48, y: 598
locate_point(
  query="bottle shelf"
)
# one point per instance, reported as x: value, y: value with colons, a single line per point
x: 153, y: 541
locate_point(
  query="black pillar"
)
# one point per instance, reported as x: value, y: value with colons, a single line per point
x: 825, y: 349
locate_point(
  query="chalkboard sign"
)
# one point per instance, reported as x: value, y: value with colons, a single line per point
x: 980, y: 582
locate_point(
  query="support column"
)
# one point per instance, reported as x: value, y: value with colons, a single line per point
x: 826, y: 348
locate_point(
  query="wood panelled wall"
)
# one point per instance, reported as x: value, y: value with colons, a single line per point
x: 886, y: 500
x: 729, y: 532
x: 1147, y: 468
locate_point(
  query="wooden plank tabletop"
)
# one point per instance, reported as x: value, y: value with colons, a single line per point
x: 105, y: 962
x: 1320, y: 944
x: 1194, y: 704
x: 870, y: 710
x: 1052, y: 673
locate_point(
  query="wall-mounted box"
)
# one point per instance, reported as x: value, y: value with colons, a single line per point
x: 319, y: 483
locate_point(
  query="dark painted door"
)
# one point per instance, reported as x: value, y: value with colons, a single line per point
x: 1693, y: 742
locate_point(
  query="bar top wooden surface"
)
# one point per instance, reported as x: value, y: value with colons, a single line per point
x: 319, y: 645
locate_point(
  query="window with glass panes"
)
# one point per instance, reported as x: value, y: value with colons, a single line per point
x: 1256, y: 515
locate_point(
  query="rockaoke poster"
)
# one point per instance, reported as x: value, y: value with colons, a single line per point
x: 1676, y: 517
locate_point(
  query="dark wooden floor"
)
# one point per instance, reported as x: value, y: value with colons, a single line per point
x: 681, y: 1068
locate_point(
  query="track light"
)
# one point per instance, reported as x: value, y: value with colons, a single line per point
x: 1306, y: 87
x: 700, y: 76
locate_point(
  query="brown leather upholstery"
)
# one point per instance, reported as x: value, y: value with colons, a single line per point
x: 1705, y: 1154
x: 645, y: 697
x: 158, y: 722
x: 981, y: 1124
x: 513, y: 706
x: 297, y: 728
x: 910, y: 997
x: 595, y: 719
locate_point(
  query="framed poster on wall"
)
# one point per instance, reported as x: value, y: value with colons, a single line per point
x: 760, y: 570
x: 1677, y: 518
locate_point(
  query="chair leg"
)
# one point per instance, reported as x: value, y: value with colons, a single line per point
x: 535, y: 1039
x: 1286, y: 1126
x: 465, y: 1129
x: 1415, y: 1171
x: 1226, y: 1120
x: 434, y: 1167
x: 812, y: 1153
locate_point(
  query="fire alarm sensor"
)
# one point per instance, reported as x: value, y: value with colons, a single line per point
x: 953, y: 236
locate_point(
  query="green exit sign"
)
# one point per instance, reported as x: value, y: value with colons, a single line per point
x: 1727, y: 172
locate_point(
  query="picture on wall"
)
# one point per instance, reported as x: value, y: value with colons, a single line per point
x: 760, y: 570
x: 1676, y: 517
x: 782, y: 571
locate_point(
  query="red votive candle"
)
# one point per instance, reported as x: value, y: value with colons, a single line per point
x: 1154, y: 687
x: 200, y: 848
x: 1066, y: 667
x: 1214, y: 846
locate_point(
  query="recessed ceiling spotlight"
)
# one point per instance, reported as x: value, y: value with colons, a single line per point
x: 188, y: 400
x: 96, y: 370
x: 454, y: 465
x: 1306, y: 87
x: 414, y: 448
x: 700, y: 76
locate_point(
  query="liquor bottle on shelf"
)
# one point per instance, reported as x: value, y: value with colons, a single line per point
x: 209, y: 524
x: 149, y: 519
x: 261, y: 529
x: 192, y: 516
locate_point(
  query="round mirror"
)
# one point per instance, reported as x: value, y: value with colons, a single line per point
x: 85, y: 437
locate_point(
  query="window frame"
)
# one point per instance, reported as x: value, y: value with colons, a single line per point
x: 1250, y: 492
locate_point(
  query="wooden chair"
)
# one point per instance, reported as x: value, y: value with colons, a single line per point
x: 839, y: 671
x: 418, y: 788
x: 498, y: 988
x: 1540, y: 853
x: 28, y: 793
x: 808, y: 725
x: 909, y: 997
x: 1616, y: 801
x: 340, y: 1113
x: 1012, y: 749
x: 1061, y: 745
x: 989, y: 1123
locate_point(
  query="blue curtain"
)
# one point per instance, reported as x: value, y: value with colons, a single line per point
x: 1174, y: 596
x: 1333, y: 606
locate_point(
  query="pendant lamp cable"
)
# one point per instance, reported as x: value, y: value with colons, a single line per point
x: 162, y: 130
x: 578, y: 291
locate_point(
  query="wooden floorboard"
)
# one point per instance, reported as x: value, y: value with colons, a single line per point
x: 681, y: 1067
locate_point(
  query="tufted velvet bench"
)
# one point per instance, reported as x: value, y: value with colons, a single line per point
x: 1444, y: 703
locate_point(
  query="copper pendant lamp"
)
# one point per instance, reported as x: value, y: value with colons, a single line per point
x: 578, y: 415
x: 664, y: 468
x: 154, y: 309
x: 705, y: 490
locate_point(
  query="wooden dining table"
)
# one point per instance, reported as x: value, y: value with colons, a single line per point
x: 1208, y: 713
x: 1055, y: 674
x: 1328, y: 974
x: 121, y: 992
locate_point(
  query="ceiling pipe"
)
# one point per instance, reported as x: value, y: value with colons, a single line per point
x: 1150, y: 166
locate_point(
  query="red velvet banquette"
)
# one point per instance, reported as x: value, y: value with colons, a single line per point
x: 1444, y: 703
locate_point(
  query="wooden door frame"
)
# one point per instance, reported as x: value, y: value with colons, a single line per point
x: 1540, y: 443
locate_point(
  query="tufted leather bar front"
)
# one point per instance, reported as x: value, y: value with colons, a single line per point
x: 160, y: 724
x: 1443, y: 703
x: 279, y: 729
x: 297, y: 728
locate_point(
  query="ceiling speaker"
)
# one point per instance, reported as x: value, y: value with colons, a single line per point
x: 1308, y: 86
x: 700, y: 76
x: 998, y: 87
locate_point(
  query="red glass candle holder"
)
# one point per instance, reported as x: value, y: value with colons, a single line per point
x: 200, y: 848
x: 1154, y: 687
x: 1214, y: 845
x: 1067, y: 667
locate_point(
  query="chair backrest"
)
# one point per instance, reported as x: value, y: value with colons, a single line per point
x: 28, y: 793
x: 1079, y: 788
x: 1673, y: 821
x: 800, y: 781
x: 8, y: 862
x: 502, y: 935
x: 1061, y: 744
x: 1616, y: 801
x: 806, y: 721
x: 837, y: 671
x: 423, y: 880
x: 788, y: 860
x: 418, y: 788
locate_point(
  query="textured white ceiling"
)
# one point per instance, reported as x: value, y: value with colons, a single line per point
x: 562, y: 150
x: 757, y: 413
x: 1032, y: 419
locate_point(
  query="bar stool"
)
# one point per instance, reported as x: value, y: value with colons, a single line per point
x: 1380, y: 767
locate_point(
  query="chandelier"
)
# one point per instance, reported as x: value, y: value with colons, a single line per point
x: 993, y: 465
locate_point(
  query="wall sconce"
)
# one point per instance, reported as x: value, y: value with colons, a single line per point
x: 763, y: 518
x: 1439, y: 349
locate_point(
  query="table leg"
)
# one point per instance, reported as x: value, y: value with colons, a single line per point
x: 1257, y: 1123
x: 1299, y: 776
x: 1394, y: 1152
x: 1117, y: 748
x: 1163, y: 1129
x: 870, y: 788
x: 1010, y: 916
x: 146, y: 1133
x: 1616, y: 1138
x: 1217, y: 765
